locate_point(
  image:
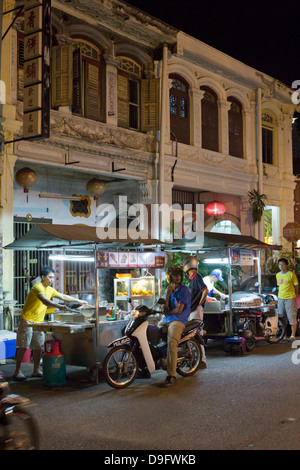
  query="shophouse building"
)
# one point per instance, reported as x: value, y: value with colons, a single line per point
x: 155, y: 114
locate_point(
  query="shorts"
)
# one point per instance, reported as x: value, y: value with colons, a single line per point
x: 27, y: 338
x: 288, y: 307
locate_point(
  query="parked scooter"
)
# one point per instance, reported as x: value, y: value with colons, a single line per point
x: 261, y: 323
x: 137, y: 350
x: 18, y: 430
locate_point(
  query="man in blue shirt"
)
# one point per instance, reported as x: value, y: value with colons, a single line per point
x: 177, y: 310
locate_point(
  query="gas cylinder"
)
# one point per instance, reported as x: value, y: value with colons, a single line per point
x: 54, y: 364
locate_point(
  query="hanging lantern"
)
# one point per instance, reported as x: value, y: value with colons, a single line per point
x: 215, y: 208
x: 26, y: 177
x: 95, y: 187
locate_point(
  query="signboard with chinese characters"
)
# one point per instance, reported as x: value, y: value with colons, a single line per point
x: 120, y: 259
x: 37, y: 20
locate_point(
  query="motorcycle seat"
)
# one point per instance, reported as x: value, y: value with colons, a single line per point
x: 190, y: 326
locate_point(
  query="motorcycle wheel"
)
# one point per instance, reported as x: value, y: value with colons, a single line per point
x: 120, y: 367
x: 19, y: 432
x: 281, y: 331
x: 189, y: 357
x: 298, y: 323
x: 250, y: 340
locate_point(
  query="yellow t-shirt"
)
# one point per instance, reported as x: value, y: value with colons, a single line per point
x: 34, y: 310
x: 286, y: 283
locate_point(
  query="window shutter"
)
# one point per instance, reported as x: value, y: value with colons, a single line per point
x: 150, y: 104
x: 92, y: 90
x: 62, y: 75
x: 235, y: 128
x: 76, y: 95
x: 123, y: 101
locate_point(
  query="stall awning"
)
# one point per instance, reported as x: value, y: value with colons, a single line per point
x: 53, y: 236
x: 217, y: 241
x: 237, y: 241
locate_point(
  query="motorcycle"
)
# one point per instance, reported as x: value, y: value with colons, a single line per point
x: 144, y: 349
x: 18, y: 430
x: 261, y: 323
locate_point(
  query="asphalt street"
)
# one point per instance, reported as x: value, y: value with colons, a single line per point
x: 245, y: 402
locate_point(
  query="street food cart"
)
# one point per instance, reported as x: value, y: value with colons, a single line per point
x: 84, y: 337
x: 232, y: 250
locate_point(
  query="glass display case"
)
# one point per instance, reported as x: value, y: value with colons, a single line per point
x: 140, y: 290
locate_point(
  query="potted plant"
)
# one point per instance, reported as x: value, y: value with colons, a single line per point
x: 257, y: 204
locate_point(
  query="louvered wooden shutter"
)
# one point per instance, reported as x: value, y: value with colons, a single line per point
x: 123, y: 101
x: 235, y: 129
x: 76, y: 96
x: 150, y: 104
x: 92, y: 90
x: 209, y: 114
x: 62, y: 58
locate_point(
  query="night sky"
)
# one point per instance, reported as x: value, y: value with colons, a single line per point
x: 259, y: 33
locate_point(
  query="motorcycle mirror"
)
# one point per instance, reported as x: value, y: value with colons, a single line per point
x: 274, y: 289
x: 256, y: 284
x: 161, y: 301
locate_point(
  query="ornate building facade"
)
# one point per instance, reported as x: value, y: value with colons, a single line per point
x: 156, y: 114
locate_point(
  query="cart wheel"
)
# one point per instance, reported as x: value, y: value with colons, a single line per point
x: 281, y: 331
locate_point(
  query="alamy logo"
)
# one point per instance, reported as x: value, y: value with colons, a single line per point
x: 139, y: 221
x: 296, y: 94
x: 296, y: 354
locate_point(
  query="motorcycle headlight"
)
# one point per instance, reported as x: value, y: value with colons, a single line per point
x: 135, y: 313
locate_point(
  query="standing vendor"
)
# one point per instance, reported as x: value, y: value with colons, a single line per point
x: 287, y: 295
x: 36, y: 304
x: 216, y: 275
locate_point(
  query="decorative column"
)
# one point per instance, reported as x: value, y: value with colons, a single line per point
x: 111, y: 88
x: 249, y: 139
x: 196, y: 96
x: 224, y: 107
x: 247, y: 226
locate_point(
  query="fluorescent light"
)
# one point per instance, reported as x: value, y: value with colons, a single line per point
x: 59, y: 196
x: 216, y: 261
x: 87, y: 259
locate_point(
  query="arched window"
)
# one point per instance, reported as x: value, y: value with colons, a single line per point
x: 179, y: 110
x: 87, y: 78
x: 77, y: 79
x: 209, y: 115
x: 129, y: 82
x: 267, y: 138
x: 235, y: 128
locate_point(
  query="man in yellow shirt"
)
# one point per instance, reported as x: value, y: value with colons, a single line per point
x: 287, y: 293
x: 36, y: 304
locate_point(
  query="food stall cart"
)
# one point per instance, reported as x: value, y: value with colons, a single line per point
x: 219, y: 315
x: 84, y: 338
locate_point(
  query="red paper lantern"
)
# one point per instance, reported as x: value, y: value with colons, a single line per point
x: 215, y: 208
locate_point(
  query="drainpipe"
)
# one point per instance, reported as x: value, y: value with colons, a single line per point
x: 163, y: 120
x: 259, y: 161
